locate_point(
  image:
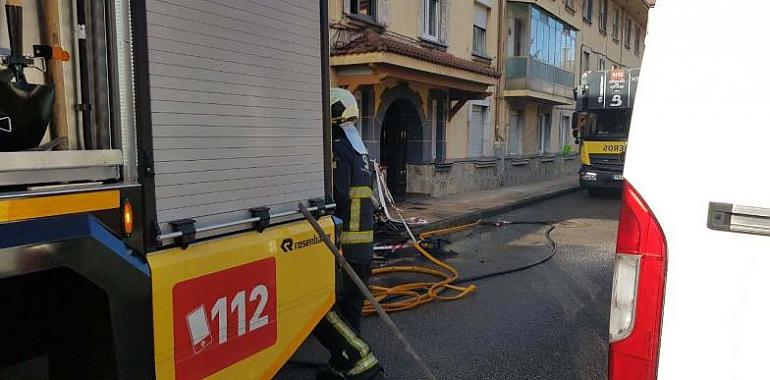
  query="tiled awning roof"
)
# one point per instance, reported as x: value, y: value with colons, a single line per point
x: 370, y: 42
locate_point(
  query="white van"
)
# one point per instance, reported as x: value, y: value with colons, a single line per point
x: 691, y: 292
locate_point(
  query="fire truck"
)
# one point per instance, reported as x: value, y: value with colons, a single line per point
x: 604, y: 104
x: 152, y: 158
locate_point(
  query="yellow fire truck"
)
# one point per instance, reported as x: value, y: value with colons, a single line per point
x: 152, y: 158
x: 605, y: 101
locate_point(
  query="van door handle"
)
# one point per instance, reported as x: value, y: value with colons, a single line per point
x: 742, y: 219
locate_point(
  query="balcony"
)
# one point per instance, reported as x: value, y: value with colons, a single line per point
x: 528, y: 78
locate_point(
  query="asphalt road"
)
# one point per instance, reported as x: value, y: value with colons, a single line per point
x: 547, y: 322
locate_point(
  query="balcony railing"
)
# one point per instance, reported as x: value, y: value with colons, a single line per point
x: 524, y: 73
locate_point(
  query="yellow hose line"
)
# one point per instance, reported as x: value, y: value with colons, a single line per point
x: 413, y: 294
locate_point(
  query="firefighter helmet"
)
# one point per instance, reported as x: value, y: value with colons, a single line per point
x: 344, y: 106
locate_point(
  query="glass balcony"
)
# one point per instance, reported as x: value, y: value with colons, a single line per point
x: 541, y: 55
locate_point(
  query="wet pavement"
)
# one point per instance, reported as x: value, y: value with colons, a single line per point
x: 546, y: 322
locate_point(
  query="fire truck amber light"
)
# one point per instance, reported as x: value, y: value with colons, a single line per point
x: 624, y: 285
x: 128, y: 218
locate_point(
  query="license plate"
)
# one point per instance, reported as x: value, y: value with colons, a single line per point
x: 618, y: 177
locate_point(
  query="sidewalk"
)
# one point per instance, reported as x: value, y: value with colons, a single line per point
x: 466, y: 208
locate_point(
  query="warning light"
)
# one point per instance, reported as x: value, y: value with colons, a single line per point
x: 128, y: 218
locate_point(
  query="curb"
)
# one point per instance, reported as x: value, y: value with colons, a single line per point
x: 481, y: 214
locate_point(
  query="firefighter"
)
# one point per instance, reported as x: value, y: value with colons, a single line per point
x: 339, y: 330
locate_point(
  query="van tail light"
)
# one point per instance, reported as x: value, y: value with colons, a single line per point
x: 637, y: 291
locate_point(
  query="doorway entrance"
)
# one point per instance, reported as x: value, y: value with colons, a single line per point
x: 400, y: 128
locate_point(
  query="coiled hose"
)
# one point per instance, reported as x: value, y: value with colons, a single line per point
x: 410, y: 295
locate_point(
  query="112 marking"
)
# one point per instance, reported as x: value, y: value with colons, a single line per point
x: 220, y: 313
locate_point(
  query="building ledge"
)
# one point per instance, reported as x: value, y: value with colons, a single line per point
x: 539, y: 96
x: 364, y: 21
x: 371, y: 44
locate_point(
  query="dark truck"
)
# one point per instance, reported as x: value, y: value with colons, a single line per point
x: 604, y: 103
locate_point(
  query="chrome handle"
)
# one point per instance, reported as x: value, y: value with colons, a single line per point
x: 743, y: 219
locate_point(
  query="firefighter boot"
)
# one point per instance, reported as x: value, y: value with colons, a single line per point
x: 329, y: 373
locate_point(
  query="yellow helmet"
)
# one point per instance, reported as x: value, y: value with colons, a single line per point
x: 344, y: 105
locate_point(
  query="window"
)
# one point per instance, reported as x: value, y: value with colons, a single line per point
x: 476, y: 130
x: 569, y: 4
x: 637, y: 39
x: 601, y: 64
x: 544, y: 121
x: 363, y: 7
x: 627, y: 33
x: 515, y: 131
x: 585, y: 64
x: 365, y: 98
x: 481, y: 14
x: 431, y: 21
x: 565, y: 135
x: 616, y: 24
x: 360, y: 104
x: 603, y: 16
x: 551, y: 41
x: 515, y: 38
x: 588, y: 10
x: 439, y: 121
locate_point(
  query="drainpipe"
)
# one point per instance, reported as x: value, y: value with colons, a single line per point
x: 501, y: 58
x: 499, y: 101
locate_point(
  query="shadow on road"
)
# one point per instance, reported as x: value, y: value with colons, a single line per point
x: 548, y: 322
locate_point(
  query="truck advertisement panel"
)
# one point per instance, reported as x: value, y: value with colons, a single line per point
x: 614, y: 89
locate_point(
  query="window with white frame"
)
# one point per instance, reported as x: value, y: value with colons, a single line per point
x: 544, y: 122
x: 439, y: 128
x: 603, y: 16
x: 366, y: 8
x: 515, y: 131
x: 585, y: 62
x: 480, y: 20
x: 432, y: 19
x: 588, y: 10
x: 565, y: 134
x: 479, y: 119
x: 569, y: 4
x: 637, y: 39
x: 627, y: 33
x: 601, y: 64
x: 616, y: 24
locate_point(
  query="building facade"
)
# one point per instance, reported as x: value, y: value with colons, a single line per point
x: 423, y: 71
x: 547, y: 45
x: 466, y: 95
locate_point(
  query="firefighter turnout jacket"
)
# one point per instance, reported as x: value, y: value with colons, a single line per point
x: 352, y: 194
x: 340, y: 329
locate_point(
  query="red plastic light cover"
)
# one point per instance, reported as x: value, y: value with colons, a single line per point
x: 636, y: 357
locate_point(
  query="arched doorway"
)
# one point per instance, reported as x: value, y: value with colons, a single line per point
x: 401, y: 127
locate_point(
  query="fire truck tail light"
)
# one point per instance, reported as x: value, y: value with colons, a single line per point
x: 128, y: 218
x: 623, y: 306
x: 638, y: 289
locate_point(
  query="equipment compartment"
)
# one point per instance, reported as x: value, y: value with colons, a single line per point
x: 81, y: 51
